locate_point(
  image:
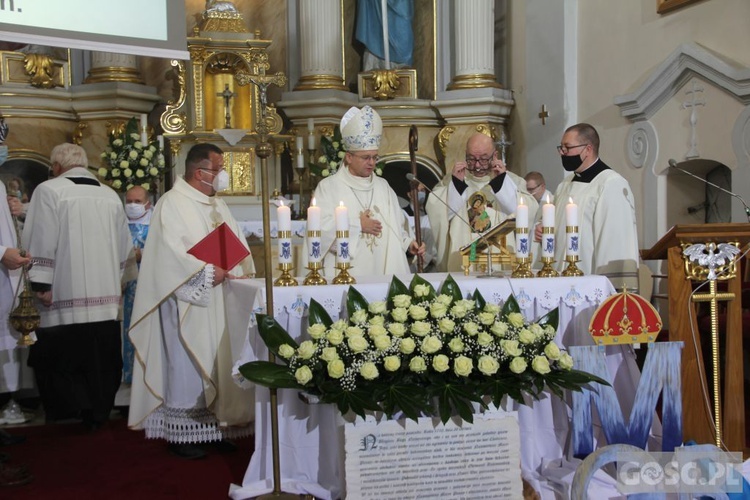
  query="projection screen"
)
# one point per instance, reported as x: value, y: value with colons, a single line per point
x: 153, y: 28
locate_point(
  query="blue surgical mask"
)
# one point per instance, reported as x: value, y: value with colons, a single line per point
x: 421, y: 197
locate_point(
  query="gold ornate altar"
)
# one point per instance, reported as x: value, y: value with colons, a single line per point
x: 217, y: 102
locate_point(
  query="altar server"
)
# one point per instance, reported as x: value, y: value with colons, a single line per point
x: 183, y: 389
x: 77, y: 233
x: 606, y: 210
x: 483, y: 193
x: 379, y: 233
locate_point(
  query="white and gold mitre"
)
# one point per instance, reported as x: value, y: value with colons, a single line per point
x: 361, y: 129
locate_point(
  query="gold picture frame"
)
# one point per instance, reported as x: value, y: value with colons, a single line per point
x: 663, y: 6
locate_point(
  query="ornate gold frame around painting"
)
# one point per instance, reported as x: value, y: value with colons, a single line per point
x: 663, y: 6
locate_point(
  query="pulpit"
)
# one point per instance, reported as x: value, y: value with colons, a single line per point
x: 697, y: 399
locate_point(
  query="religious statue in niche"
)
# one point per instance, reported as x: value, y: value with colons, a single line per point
x: 369, y: 31
x: 220, y: 6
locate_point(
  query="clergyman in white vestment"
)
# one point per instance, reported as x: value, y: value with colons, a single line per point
x: 608, y: 242
x: 77, y: 234
x: 379, y: 233
x: 481, y: 193
x: 182, y: 388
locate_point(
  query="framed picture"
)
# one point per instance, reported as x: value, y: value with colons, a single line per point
x: 663, y: 6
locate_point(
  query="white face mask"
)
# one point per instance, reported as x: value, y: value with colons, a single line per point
x: 421, y: 196
x: 221, y: 180
x: 135, y: 210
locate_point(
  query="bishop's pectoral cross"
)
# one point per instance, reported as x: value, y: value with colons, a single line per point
x: 227, y: 96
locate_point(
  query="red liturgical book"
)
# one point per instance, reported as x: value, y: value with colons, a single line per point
x: 221, y: 247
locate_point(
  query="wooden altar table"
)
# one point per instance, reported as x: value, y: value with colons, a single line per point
x: 311, y: 446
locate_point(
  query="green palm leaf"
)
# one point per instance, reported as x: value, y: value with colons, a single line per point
x: 273, y: 335
x: 318, y: 315
x: 355, y: 301
x: 270, y: 375
x: 451, y: 288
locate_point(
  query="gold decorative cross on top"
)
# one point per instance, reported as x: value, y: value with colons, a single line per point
x: 227, y: 95
x: 543, y: 114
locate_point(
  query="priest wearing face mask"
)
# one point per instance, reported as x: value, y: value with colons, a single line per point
x: 182, y: 388
x: 606, y: 210
x: 481, y: 193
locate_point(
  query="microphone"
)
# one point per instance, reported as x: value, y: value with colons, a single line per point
x: 413, y: 178
x: 673, y: 164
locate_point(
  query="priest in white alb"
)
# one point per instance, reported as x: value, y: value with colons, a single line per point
x: 477, y: 195
x: 380, y: 239
x: 183, y: 390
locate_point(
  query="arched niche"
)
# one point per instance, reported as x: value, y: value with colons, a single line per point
x: 30, y: 167
x: 218, y: 79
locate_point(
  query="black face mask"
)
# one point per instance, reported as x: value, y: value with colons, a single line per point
x: 571, y: 163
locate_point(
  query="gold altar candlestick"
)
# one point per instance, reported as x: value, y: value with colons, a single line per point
x: 571, y: 242
x: 547, y: 271
x: 343, y: 277
x: 523, y: 270
x: 342, y: 259
x: 286, y: 278
x: 314, y: 277
x: 314, y: 258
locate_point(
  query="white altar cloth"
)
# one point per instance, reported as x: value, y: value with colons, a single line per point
x: 309, y: 440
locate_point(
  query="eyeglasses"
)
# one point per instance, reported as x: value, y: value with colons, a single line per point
x: 563, y: 150
x: 367, y: 158
x: 532, y: 189
x: 478, y: 161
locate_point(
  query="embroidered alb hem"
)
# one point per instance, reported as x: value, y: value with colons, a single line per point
x: 190, y: 425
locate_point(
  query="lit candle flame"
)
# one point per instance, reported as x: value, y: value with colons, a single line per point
x: 546, y: 199
x: 312, y: 202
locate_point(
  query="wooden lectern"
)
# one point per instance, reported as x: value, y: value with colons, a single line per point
x: 697, y: 406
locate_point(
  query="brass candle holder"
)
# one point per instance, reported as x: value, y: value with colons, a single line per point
x: 571, y: 243
x: 286, y: 279
x: 572, y: 269
x: 547, y: 271
x: 342, y: 260
x: 523, y: 270
x: 343, y: 277
x: 314, y: 277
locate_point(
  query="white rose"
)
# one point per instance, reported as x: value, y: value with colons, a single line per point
x: 127, y: 172
x: 149, y: 153
x: 369, y: 371
x: 484, y: 339
x: 377, y: 307
x: 316, y: 331
x: 325, y: 172
x: 332, y: 165
x: 140, y: 173
x: 133, y: 155
x: 353, y: 331
x: 286, y: 351
x: 537, y: 330
x: 471, y: 328
x: 124, y: 164
x: 382, y: 342
x: 143, y: 162
x: 357, y: 343
x: 488, y: 365
x: 459, y: 310
x: 112, y: 156
x: 339, y: 325
x: 525, y: 336
x: 397, y: 329
x: 341, y: 155
x: 116, y: 184
x: 431, y: 345
x: 518, y: 365
x: 115, y: 172
x: 400, y: 314
x: 117, y: 142
x: 322, y: 159
x: 456, y: 344
x: 146, y: 186
x: 335, y: 144
x: 446, y: 325
x: 438, y: 310
x: 486, y: 318
x: 440, y: 363
x: 499, y: 328
x: 160, y: 161
x: 128, y: 187
x: 359, y: 316
x: 407, y: 346
x: 492, y: 308
x: 153, y: 171
x: 516, y: 319
x: 306, y: 349
x: 421, y: 290
x: 463, y: 366
x: 303, y: 375
x: 335, y: 337
x: 102, y: 172
x: 540, y: 364
x: 552, y: 351
x: 417, y: 312
x: 417, y: 364
x: 391, y: 363
x: 510, y: 347
x: 420, y: 328
x: 335, y: 368
x: 135, y: 136
x: 377, y: 330
x: 566, y: 361
x: 377, y: 320
x: 402, y: 300
x: 444, y: 299
x: 328, y: 354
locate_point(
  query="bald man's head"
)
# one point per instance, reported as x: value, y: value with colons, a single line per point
x: 479, y: 153
x: 137, y: 194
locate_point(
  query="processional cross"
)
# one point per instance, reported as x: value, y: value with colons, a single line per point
x: 503, y: 143
x: 227, y: 95
x: 262, y: 81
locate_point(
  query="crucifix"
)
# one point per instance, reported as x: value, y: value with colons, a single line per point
x: 543, y: 114
x: 262, y: 81
x: 227, y: 95
x: 503, y: 143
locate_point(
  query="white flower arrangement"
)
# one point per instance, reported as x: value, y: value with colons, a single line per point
x: 333, y: 150
x: 128, y: 162
x: 418, y: 345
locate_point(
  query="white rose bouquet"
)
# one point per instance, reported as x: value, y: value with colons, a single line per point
x: 332, y: 153
x: 127, y: 162
x: 417, y: 346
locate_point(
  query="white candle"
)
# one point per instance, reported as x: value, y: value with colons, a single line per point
x: 313, y: 224
x: 313, y: 217
x: 522, y: 214
x: 548, y: 213
x: 571, y: 213
x: 160, y: 140
x: 300, y: 142
x: 300, y: 161
x: 311, y: 140
x: 310, y: 125
x: 144, y: 124
x: 342, y: 217
x: 284, y: 217
x: 144, y: 121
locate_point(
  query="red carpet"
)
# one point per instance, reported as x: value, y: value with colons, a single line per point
x: 116, y: 463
